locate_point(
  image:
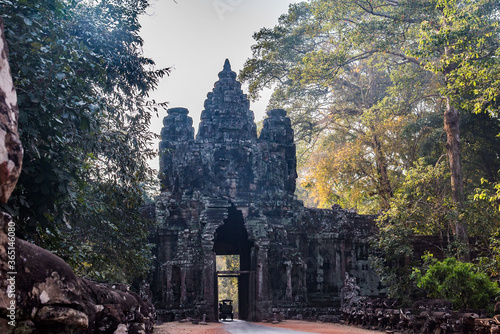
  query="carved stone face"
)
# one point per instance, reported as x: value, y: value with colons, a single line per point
x: 48, y: 293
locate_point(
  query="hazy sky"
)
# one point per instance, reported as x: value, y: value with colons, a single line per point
x: 194, y: 37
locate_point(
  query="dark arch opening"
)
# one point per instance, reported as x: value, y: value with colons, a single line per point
x: 232, y: 239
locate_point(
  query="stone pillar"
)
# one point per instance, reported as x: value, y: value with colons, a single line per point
x: 167, y: 293
x: 177, y: 172
x: 183, y: 285
x: 163, y: 274
x: 288, y: 292
x: 304, y: 281
x: 277, y: 133
x: 209, y: 280
x: 319, y: 272
x: 301, y: 287
x: 262, y: 286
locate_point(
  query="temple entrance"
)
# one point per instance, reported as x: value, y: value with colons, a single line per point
x: 231, y: 243
x: 228, y: 272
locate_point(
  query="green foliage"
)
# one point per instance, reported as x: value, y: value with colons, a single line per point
x: 444, y: 50
x: 488, y: 192
x: 368, y: 84
x: 490, y: 261
x: 459, y: 38
x: 480, y: 149
x: 393, y: 259
x: 456, y: 281
x: 82, y: 86
x: 423, y: 207
x: 359, y: 124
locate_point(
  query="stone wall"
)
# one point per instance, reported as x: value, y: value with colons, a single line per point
x: 229, y: 191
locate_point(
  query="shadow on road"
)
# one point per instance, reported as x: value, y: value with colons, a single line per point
x: 243, y: 327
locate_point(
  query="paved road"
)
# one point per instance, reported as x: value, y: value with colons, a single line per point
x: 243, y: 327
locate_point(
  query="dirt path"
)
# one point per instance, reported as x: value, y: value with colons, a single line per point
x: 244, y: 327
x: 189, y: 328
x: 320, y: 327
x: 294, y: 325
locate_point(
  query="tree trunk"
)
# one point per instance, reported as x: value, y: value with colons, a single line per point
x: 384, y: 184
x: 452, y: 128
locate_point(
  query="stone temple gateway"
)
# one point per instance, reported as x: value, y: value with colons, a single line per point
x: 229, y: 191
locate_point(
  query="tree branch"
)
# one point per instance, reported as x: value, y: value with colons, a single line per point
x: 372, y: 12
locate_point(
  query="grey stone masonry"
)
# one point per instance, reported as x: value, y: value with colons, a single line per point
x: 228, y: 191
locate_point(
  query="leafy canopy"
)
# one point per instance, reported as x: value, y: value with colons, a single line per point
x: 314, y: 49
x: 360, y: 122
x: 83, y: 85
x: 368, y: 85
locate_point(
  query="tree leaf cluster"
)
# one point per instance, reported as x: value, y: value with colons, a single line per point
x: 459, y: 282
x: 394, y: 105
x: 375, y: 68
x: 421, y: 208
x: 83, y: 84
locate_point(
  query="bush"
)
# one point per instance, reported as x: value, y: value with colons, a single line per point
x: 456, y: 281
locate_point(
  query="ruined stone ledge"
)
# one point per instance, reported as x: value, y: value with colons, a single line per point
x: 427, y: 316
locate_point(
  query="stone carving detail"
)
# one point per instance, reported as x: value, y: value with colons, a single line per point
x: 227, y: 116
x: 11, y: 151
x: 229, y: 191
x: 426, y: 316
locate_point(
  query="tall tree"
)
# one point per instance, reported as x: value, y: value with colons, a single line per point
x: 370, y: 145
x: 453, y: 39
x: 83, y: 87
x: 355, y: 118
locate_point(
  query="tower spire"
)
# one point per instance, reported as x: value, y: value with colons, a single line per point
x: 227, y: 115
x: 227, y: 65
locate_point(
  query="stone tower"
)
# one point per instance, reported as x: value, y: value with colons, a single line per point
x: 229, y: 191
